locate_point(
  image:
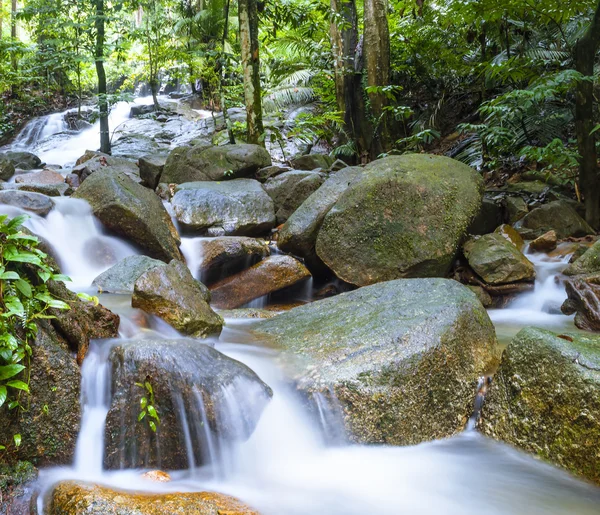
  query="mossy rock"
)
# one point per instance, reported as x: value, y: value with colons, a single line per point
x: 545, y: 399
x: 558, y: 216
x: 588, y: 263
x: 406, y: 216
x: 17, y: 488
x: 403, y: 358
x: 121, y: 277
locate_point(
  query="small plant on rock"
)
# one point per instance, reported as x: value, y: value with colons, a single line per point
x: 147, y: 409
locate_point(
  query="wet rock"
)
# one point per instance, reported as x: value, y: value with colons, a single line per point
x: 132, y: 145
x: 298, y: 236
x: 122, y: 276
x: 545, y: 399
x: 511, y: 235
x: 558, y: 216
x: 488, y: 218
x: 516, y: 208
x: 7, y: 169
x: 158, y: 476
x: 50, y: 424
x: 271, y: 171
x: 34, y: 202
x: 545, y: 243
x: 583, y: 298
x: 72, y: 180
x: 226, y: 255
x: 43, y: 177
x: 139, y: 110
x: 99, y: 252
x: 51, y: 190
x: 402, y: 357
x: 269, y: 275
x: 587, y: 263
x: 497, y: 260
x: 151, y: 168
x: 240, y: 207
x: 529, y: 187
x: 104, y: 163
x: 209, y: 163
x: 89, y: 154
x: 171, y: 293
x: 311, y: 162
x: 289, y: 190
x: 404, y: 217
x: 17, y: 488
x: 132, y: 211
x: 338, y: 165
x: 247, y: 313
x: 484, y: 297
x: 24, y: 160
x: 195, y: 389
x: 76, y: 498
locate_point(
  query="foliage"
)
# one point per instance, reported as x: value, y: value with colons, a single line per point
x: 147, y: 406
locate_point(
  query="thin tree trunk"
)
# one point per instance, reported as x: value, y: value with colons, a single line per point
x: 589, y: 181
x: 13, y: 33
x: 248, y: 17
x: 1, y: 19
x: 102, y: 92
x: 223, y: 76
x: 377, y: 64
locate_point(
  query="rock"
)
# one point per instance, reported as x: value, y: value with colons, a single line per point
x: 103, y: 163
x: 24, y: 160
x: 587, y: 263
x: 529, y: 187
x: 269, y: 275
x: 89, y: 154
x: 516, y: 208
x: 50, y: 424
x: 484, y: 297
x: 338, y: 165
x: 545, y: 243
x: 497, y: 260
x: 404, y: 217
x: 151, y: 168
x: 158, y: 476
x: 7, y: 169
x: 375, y: 348
x: 171, y: 293
x: 122, y: 276
x: 132, y: 211
x: 299, y: 234
x: 247, y: 313
x: 194, y: 386
x: 134, y: 145
x: 311, y: 162
x: 488, y: 218
x: 240, y: 207
x: 558, y: 216
x: 139, y: 110
x: 209, y: 163
x: 34, y: 202
x: 72, y: 180
x: 226, y: 255
x: 17, y: 488
x: 271, y: 171
x: 290, y: 189
x: 51, y: 190
x: 511, y: 235
x: 76, y: 498
x: 583, y: 298
x: 43, y: 177
x: 545, y: 399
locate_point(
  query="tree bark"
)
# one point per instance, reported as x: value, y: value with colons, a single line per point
x: 377, y: 64
x: 223, y: 75
x: 13, y: 33
x: 248, y: 18
x: 589, y: 181
x: 102, y: 92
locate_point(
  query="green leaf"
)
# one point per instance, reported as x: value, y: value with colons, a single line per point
x: 24, y: 287
x: 9, y: 276
x: 152, y: 412
x: 17, y: 439
x: 61, y: 277
x: 44, y: 276
x: 152, y: 426
x: 143, y: 402
x: 19, y: 385
x: 3, y: 394
x: 23, y: 257
x: 8, y: 371
x: 141, y: 416
x: 13, y: 405
x: 23, y: 237
x: 17, y: 221
x: 148, y: 387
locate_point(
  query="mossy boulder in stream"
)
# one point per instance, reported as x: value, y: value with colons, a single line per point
x: 558, y: 216
x: 588, y: 263
x: 209, y: 163
x: 405, y: 217
x: 7, y: 168
x: 121, y: 277
x: 77, y: 498
x: 402, y: 357
x: 132, y: 211
x: 171, y: 293
x: 203, y: 398
x: 545, y: 399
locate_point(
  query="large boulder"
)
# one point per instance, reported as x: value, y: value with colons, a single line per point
x: 238, y: 207
x: 403, y: 358
x: 290, y: 189
x: 583, y: 300
x: 24, y: 160
x: 545, y: 399
x: 132, y: 211
x: 121, y: 277
x: 588, y: 263
x: 151, y: 169
x: 209, y: 163
x: 76, y: 498
x: 44, y: 177
x: 269, y: 275
x: 171, y: 293
x: 299, y: 234
x: 27, y: 200
x: 312, y: 162
x: 558, y: 216
x: 200, y: 395
x: 406, y: 216
x: 497, y: 260
x: 102, y: 162
x: 51, y: 190
x: 7, y: 168
x: 488, y: 218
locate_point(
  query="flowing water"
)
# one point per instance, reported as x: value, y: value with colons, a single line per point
x: 298, y: 461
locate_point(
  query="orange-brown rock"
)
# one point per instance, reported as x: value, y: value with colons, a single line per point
x: 545, y: 243
x: 158, y: 476
x: 511, y: 235
x: 43, y: 177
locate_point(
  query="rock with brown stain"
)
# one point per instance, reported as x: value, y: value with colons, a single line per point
x: 158, y: 476
x: 545, y: 243
x: 511, y: 235
x: 43, y: 177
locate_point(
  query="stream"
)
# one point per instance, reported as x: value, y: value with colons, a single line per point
x: 297, y: 461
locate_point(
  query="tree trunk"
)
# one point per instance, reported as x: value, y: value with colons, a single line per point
x: 248, y: 17
x: 102, y: 93
x: 377, y: 64
x: 223, y: 75
x: 589, y: 181
x: 13, y: 33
